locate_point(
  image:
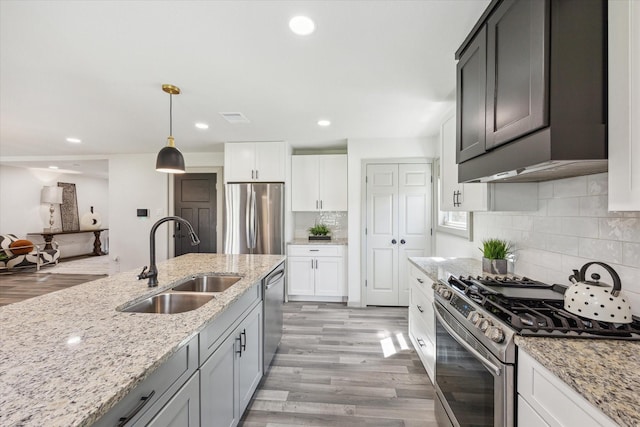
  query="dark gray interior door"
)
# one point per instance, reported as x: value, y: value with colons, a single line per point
x: 195, y: 201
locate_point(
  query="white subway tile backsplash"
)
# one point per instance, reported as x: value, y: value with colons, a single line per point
x: 580, y: 227
x: 570, y: 187
x: 595, y: 206
x: 626, y: 229
x: 564, y: 207
x: 602, y: 250
x: 545, y: 190
x: 562, y: 244
x: 597, y: 184
x: 547, y: 225
x: 631, y: 254
x: 522, y: 222
x: 534, y: 240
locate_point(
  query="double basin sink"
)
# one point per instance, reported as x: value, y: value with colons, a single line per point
x: 186, y: 296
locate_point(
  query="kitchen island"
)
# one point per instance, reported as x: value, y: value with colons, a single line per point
x: 68, y: 357
x: 605, y: 372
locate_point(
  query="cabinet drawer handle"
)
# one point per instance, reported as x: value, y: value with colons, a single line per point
x: 253, y: 174
x: 243, y: 343
x: 314, y: 250
x: 317, y: 204
x: 143, y: 401
x: 312, y: 264
x: 320, y: 204
x: 316, y: 264
x: 420, y: 280
x: 420, y: 308
x: 421, y: 342
x: 257, y: 174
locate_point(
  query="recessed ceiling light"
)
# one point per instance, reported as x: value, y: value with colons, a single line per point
x: 324, y: 122
x: 202, y: 126
x: 53, y: 167
x: 302, y: 25
x: 74, y: 140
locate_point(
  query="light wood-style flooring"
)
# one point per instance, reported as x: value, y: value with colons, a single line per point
x: 21, y: 285
x: 331, y: 370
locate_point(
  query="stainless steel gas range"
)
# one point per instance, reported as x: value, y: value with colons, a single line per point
x: 477, y: 320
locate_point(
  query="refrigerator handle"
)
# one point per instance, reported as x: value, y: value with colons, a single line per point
x: 247, y: 217
x: 253, y: 219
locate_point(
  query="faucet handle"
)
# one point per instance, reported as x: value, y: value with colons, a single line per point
x: 142, y: 274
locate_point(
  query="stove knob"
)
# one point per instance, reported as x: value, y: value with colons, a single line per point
x: 446, y: 294
x: 474, y: 317
x: 484, y: 324
x: 495, y: 334
x: 435, y: 285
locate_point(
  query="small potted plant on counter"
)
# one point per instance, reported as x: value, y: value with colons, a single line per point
x: 319, y: 232
x: 494, y: 259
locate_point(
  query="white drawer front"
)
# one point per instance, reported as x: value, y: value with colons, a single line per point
x: 421, y: 281
x: 315, y: 250
x: 423, y: 308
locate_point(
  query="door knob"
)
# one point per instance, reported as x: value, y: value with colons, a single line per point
x: 394, y: 241
x: 403, y: 241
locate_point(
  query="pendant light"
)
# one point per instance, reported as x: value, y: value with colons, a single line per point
x: 170, y: 159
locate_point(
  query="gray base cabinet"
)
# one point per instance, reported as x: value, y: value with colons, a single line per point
x: 232, y: 373
x: 183, y: 410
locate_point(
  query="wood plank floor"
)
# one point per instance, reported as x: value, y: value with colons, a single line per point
x: 331, y: 370
x: 21, y: 285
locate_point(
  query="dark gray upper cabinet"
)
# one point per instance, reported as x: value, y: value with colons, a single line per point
x: 517, y: 63
x: 471, y: 99
x: 532, y: 92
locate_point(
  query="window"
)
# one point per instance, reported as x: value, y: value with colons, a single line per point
x: 452, y: 222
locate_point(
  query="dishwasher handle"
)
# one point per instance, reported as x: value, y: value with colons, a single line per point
x: 274, y: 278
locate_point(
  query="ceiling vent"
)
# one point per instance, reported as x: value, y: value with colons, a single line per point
x: 235, y: 117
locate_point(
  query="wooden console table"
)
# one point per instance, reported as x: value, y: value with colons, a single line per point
x: 97, y: 245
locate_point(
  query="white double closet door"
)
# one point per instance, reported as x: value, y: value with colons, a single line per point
x: 398, y: 226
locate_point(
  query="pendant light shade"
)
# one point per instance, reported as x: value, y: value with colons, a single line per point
x: 170, y: 159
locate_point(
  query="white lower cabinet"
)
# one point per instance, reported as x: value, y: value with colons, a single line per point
x: 545, y: 400
x: 422, y: 329
x: 232, y: 373
x: 316, y: 272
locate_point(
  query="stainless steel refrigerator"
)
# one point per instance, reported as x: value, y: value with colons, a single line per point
x: 254, y: 218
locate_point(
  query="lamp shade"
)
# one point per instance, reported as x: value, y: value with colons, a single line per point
x: 170, y: 160
x: 51, y: 195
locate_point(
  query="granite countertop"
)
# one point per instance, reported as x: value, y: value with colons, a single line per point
x: 68, y: 357
x: 437, y: 268
x: 605, y: 372
x: 305, y: 241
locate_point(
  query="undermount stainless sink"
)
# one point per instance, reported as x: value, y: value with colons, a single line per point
x: 208, y: 283
x: 170, y: 303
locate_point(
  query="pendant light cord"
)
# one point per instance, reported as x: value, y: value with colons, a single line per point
x: 170, y: 115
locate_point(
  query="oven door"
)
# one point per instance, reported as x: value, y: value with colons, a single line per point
x: 473, y: 387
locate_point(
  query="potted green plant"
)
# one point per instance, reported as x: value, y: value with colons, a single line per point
x: 319, y: 232
x: 494, y: 256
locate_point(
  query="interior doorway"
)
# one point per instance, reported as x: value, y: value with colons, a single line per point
x: 195, y: 199
x: 398, y: 225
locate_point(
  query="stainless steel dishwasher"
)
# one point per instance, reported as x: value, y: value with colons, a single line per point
x: 273, y: 299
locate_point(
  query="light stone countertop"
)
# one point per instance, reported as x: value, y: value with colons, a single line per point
x: 68, y: 357
x: 300, y: 241
x: 605, y: 372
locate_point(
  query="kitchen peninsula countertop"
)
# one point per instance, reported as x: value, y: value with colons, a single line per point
x: 301, y: 241
x: 604, y: 372
x: 68, y: 357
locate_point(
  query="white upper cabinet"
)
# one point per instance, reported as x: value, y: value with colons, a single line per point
x: 254, y: 162
x: 624, y: 105
x: 478, y: 196
x: 319, y: 182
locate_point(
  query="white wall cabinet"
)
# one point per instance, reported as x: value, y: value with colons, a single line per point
x: 319, y: 182
x: 316, y: 273
x: 232, y: 373
x: 624, y: 105
x: 422, y: 327
x: 551, y: 401
x: 254, y: 162
x: 455, y: 196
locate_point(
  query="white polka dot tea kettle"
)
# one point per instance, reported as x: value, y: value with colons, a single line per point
x: 596, y: 300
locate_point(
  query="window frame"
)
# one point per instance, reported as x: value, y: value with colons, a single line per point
x: 464, y: 232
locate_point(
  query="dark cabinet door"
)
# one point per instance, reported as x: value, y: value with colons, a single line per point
x: 517, y: 70
x: 470, y: 99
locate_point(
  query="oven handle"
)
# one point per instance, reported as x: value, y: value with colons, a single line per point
x: 495, y: 369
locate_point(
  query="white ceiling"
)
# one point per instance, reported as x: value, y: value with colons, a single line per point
x: 94, y: 70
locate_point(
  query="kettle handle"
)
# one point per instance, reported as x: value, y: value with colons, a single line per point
x: 617, y: 284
